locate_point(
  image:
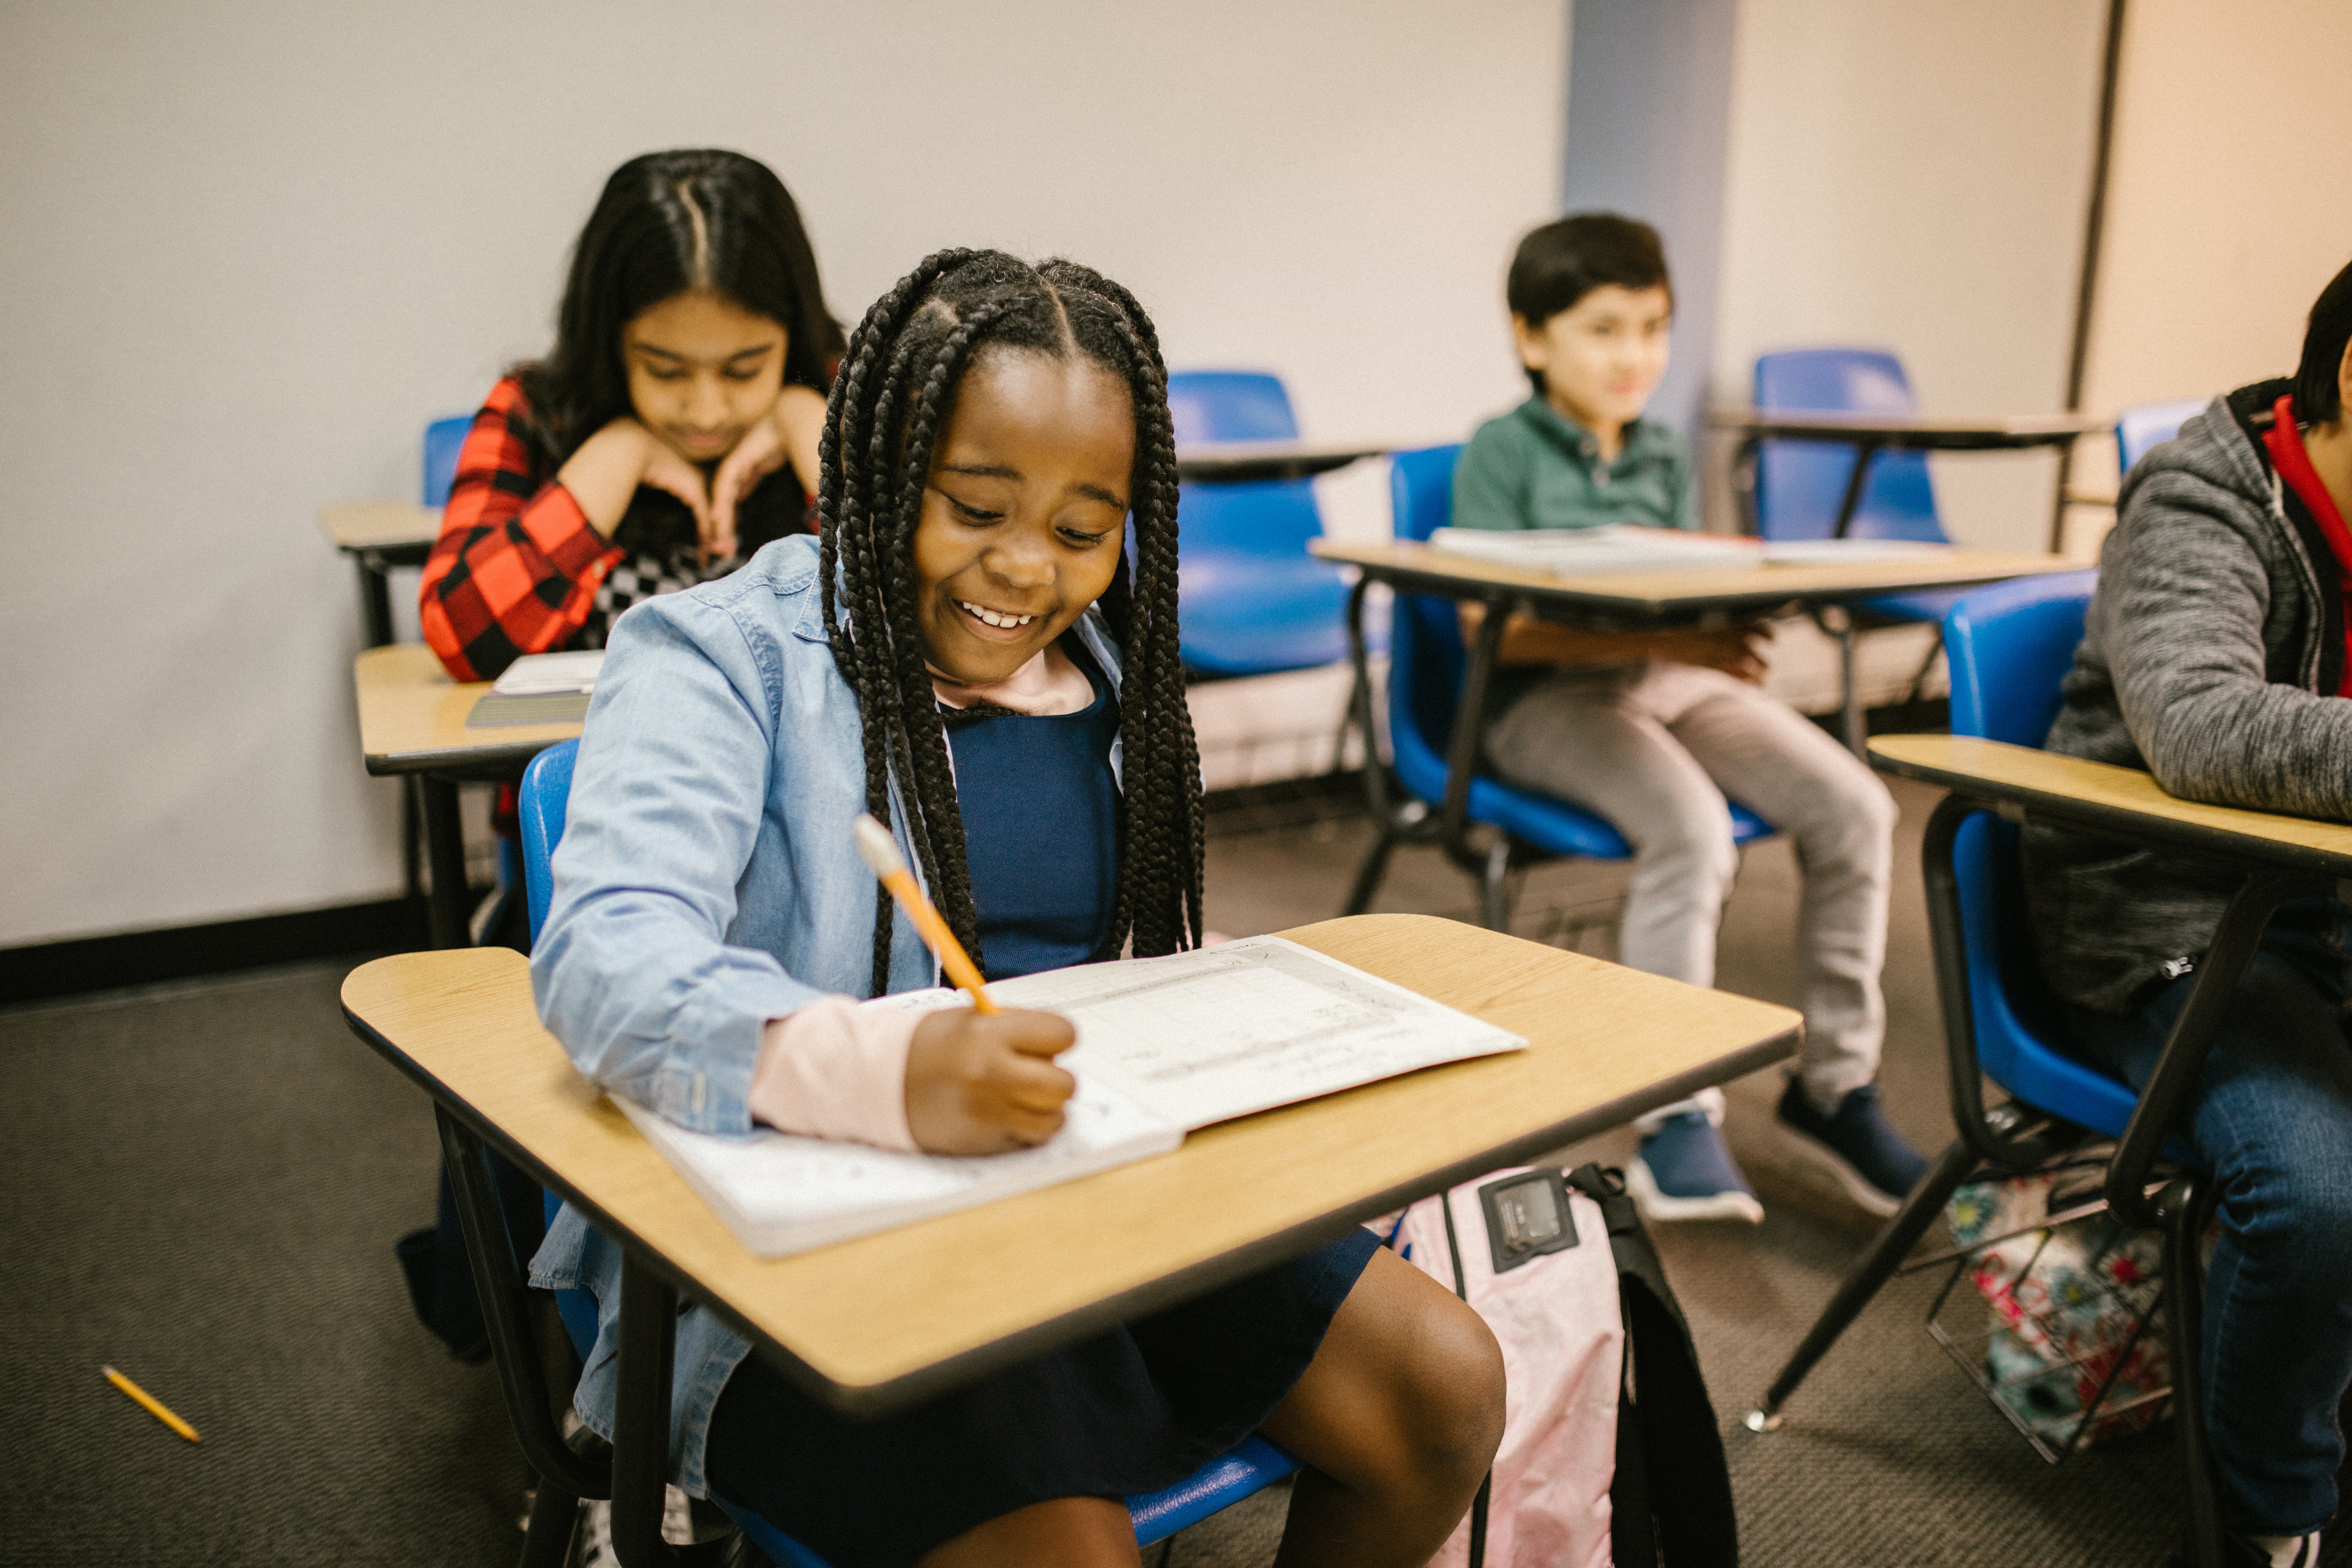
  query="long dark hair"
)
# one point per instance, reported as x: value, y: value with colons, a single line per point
x: 887, y: 409
x: 669, y: 223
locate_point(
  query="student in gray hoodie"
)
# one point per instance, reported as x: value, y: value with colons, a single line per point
x: 2216, y: 657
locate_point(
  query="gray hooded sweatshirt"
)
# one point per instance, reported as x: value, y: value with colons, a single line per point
x: 2217, y: 628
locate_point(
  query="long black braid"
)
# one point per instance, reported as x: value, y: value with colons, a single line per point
x: 889, y: 406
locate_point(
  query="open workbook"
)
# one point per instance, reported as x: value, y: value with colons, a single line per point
x: 1165, y: 1044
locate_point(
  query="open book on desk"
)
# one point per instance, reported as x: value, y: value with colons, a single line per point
x: 1165, y: 1044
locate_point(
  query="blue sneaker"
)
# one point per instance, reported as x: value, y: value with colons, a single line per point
x: 1856, y: 1145
x: 1685, y: 1172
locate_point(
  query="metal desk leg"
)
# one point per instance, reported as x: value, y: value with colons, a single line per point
x: 375, y: 598
x: 1857, y: 728
x: 1376, y: 784
x: 641, y: 1424
x: 1864, y: 452
x: 445, y: 845
x: 1462, y: 761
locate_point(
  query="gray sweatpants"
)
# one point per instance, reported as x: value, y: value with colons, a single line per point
x: 1655, y: 748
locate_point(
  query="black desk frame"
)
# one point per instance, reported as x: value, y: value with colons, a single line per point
x: 1407, y: 821
x: 2014, y: 1137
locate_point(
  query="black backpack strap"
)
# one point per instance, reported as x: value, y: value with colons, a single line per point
x: 1483, y: 1501
x: 1667, y: 1440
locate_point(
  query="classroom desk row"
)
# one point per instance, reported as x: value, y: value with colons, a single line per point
x: 413, y: 716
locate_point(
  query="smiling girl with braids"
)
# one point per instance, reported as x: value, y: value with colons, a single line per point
x: 970, y: 654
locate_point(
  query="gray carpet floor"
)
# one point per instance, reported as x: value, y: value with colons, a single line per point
x: 204, y: 1182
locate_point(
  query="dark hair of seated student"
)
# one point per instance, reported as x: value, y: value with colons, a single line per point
x: 889, y: 406
x: 2318, y: 391
x: 1561, y: 262
x: 670, y: 224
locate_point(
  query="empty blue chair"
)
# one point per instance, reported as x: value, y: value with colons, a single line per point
x: 2139, y: 429
x: 2010, y: 647
x: 1427, y: 665
x: 1230, y: 405
x: 443, y: 438
x: 1256, y: 1464
x: 1799, y: 484
x: 1252, y: 601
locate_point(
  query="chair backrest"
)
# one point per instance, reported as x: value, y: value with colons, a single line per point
x: 2010, y: 646
x: 1425, y: 654
x: 1257, y: 517
x: 443, y: 437
x: 1798, y: 484
x: 1230, y: 405
x: 540, y: 802
x: 2139, y: 429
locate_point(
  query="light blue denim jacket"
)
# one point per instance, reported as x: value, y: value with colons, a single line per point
x: 707, y: 883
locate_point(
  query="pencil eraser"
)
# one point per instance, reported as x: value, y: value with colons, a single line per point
x: 875, y: 846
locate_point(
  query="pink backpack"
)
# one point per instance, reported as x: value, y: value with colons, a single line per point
x: 1560, y: 1268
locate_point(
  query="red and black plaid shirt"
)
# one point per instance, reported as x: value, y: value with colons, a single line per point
x: 516, y: 567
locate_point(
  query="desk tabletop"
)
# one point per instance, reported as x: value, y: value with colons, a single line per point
x: 379, y: 524
x: 1938, y: 432
x: 874, y: 1324
x: 1230, y: 461
x: 1418, y: 568
x: 2102, y: 797
x: 413, y: 718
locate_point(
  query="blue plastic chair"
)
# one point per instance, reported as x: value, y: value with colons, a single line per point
x: 2139, y: 429
x: 1252, y: 601
x: 1427, y: 665
x: 443, y: 438
x: 2009, y: 648
x: 1256, y: 1464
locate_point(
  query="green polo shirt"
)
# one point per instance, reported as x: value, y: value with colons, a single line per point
x: 1533, y: 468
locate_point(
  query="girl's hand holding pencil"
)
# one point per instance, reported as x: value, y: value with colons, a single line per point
x: 979, y: 1080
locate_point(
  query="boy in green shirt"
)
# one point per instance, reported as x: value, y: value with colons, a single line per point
x: 1652, y: 730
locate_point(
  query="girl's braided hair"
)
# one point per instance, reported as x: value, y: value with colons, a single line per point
x: 888, y: 408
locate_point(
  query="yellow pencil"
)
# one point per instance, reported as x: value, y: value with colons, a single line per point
x: 155, y: 1406
x: 880, y: 852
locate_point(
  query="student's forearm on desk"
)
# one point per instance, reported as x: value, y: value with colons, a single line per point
x: 835, y: 1070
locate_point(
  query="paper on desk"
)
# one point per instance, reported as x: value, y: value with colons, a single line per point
x: 1246, y: 1025
x: 550, y: 674
x: 781, y: 1194
x: 1592, y: 552
x: 1164, y: 1044
x: 1834, y: 552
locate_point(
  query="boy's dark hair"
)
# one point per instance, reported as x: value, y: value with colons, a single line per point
x: 1564, y: 260
x: 669, y: 223
x: 888, y: 408
x: 2319, y: 395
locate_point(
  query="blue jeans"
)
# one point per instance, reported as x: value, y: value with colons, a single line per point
x: 2273, y: 1125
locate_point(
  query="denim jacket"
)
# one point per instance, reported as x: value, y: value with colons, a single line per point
x: 705, y: 884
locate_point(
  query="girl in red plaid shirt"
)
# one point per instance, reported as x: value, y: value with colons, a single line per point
x: 671, y: 432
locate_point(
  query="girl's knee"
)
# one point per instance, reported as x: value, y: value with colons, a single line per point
x: 1453, y: 1394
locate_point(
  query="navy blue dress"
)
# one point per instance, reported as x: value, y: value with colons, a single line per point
x: 1131, y: 1410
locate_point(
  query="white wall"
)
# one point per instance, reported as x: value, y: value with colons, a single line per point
x: 250, y: 250
x: 1914, y: 177
x: 2226, y: 207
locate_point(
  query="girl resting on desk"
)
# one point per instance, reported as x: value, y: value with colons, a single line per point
x: 648, y: 451
x: 971, y: 654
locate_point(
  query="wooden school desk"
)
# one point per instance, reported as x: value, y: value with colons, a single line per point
x: 1614, y: 599
x: 1871, y: 434
x: 379, y: 535
x: 2279, y: 856
x: 412, y: 723
x: 873, y: 1324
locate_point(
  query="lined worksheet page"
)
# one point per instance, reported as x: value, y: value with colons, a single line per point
x: 1224, y: 1031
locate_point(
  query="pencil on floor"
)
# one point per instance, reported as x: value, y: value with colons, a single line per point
x: 153, y: 1406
